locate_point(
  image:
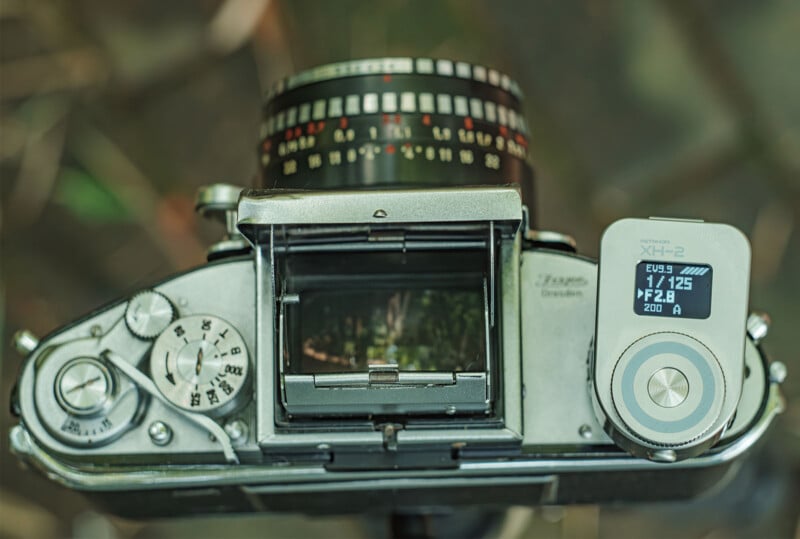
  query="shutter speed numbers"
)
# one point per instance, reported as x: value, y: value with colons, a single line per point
x: 200, y: 364
x: 673, y: 290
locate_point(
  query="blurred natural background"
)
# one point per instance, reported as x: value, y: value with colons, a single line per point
x: 113, y: 113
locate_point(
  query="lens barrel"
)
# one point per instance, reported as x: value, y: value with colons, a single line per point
x: 395, y: 123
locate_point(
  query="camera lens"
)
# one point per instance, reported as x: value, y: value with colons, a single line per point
x: 395, y: 123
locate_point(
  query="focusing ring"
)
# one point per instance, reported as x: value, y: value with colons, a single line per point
x: 395, y: 122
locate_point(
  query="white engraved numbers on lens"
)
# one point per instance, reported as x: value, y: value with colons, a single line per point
x: 93, y: 404
x: 200, y: 364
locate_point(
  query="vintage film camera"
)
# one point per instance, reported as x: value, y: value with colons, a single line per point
x: 381, y: 317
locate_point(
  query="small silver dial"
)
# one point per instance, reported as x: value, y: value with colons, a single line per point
x: 200, y: 364
x: 148, y: 314
x: 83, y: 401
x: 84, y: 386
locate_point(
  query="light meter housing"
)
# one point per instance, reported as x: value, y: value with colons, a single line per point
x: 667, y: 370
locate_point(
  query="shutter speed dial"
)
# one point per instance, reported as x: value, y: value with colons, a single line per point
x: 200, y: 364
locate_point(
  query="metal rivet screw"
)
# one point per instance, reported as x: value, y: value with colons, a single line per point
x: 450, y: 410
x: 160, y: 433
x: 585, y: 431
x: 24, y: 342
x: 380, y: 214
x: 758, y: 326
x: 663, y: 455
x: 236, y: 430
x: 95, y: 330
x: 777, y: 372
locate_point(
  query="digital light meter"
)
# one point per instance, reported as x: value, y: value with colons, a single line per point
x: 672, y: 304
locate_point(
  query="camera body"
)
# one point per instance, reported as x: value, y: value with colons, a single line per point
x: 525, y: 422
x: 420, y: 342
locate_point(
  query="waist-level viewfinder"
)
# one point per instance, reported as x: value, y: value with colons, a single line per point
x: 385, y: 305
x: 667, y: 372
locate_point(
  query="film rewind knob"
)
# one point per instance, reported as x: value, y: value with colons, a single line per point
x: 220, y: 201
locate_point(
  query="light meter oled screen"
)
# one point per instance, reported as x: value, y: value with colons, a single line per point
x: 673, y: 290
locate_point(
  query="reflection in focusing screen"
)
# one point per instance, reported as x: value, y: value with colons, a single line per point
x: 415, y: 329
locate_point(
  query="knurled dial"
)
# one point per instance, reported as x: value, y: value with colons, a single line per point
x: 82, y: 400
x: 200, y: 364
x: 148, y: 314
x: 84, y: 386
x: 669, y: 390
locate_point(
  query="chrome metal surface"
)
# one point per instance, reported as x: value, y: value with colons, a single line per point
x: 201, y: 364
x: 220, y: 201
x: 160, y: 433
x: 558, y: 295
x: 79, y: 398
x: 777, y: 372
x: 148, y: 314
x: 482, y: 204
x: 24, y: 342
x: 547, y: 236
x: 147, y: 385
x: 83, y: 386
x: 758, y: 326
x: 237, y: 430
x: 668, y: 387
x: 295, y: 477
x: 225, y: 288
x: 217, y: 198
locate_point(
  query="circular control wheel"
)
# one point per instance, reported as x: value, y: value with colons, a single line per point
x: 148, y: 314
x: 669, y: 391
x: 668, y: 387
x: 83, y: 401
x: 83, y: 386
x: 200, y: 364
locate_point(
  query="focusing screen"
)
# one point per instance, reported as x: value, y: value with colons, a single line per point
x: 417, y: 329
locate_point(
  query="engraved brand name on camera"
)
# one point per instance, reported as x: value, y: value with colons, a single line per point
x: 662, y: 250
x: 561, y: 285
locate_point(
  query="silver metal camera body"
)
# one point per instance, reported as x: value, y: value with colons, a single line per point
x: 241, y: 385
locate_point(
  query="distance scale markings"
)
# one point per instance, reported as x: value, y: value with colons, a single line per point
x: 371, y: 103
x: 462, y: 141
x: 398, y: 66
x: 311, y: 161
